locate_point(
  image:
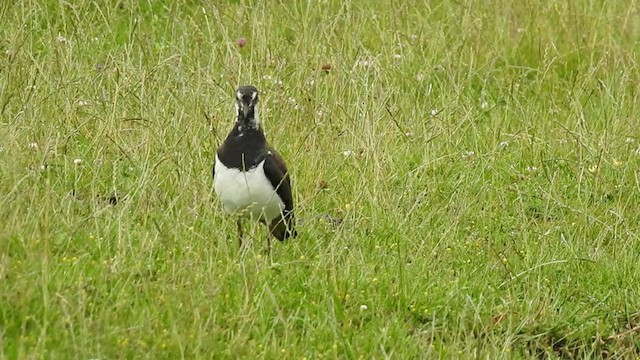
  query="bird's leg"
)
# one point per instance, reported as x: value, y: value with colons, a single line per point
x: 240, y: 232
x: 267, y: 251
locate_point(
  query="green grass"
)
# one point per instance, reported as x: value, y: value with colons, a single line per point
x: 489, y: 197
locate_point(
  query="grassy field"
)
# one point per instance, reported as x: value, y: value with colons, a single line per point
x: 482, y: 155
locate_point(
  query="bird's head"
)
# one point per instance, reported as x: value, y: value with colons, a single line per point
x: 247, y: 104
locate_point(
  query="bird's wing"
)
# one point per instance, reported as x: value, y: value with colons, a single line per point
x: 276, y: 171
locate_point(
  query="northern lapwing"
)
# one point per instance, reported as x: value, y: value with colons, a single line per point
x: 250, y: 178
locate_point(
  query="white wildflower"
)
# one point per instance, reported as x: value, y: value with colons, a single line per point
x: 365, y: 63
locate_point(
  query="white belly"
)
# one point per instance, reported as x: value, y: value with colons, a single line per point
x: 247, y: 192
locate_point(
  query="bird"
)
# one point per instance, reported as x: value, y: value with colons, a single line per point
x: 250, y: 178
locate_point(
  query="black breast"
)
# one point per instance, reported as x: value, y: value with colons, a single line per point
x: 243, y: 150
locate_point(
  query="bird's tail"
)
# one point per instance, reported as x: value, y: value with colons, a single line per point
x: 283, y: 227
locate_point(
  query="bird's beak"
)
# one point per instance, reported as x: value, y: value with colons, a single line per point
x: 245, y: 109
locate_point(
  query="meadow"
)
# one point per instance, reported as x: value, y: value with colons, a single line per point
x: 466, y: 175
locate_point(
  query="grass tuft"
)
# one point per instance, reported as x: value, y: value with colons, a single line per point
x: 466, y: 175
